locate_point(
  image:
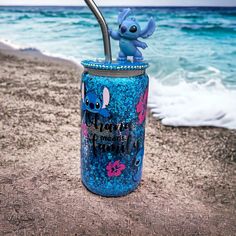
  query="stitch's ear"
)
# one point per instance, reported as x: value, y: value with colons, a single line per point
x: 123, y: 15
x: 106, y: 97
x: 83, y: 91
x: 149, y: 30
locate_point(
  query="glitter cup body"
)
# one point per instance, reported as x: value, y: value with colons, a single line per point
x: 114, y: 103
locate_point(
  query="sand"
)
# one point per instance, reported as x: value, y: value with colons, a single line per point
x: 188, y: 186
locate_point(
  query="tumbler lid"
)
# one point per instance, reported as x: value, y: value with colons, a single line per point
x: 115, y: 66
x: 115, y: 69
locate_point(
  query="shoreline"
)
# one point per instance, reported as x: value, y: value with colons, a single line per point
x: 188, y: 184
x: 71, y: 6
x: 35, y: 55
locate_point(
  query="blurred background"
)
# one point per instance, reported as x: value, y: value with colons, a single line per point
x: 192, y: 54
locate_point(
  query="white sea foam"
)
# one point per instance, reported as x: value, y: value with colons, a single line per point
x: 10, y: 44
x: 20, y: 47
x: 193, y: 104
x: 58, y: 55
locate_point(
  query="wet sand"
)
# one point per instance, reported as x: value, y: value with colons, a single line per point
x: 188, y: 186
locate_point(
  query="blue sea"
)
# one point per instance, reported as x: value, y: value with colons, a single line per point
x: 192, y: 54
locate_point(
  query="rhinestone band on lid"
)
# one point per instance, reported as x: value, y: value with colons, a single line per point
x: 125, y: 66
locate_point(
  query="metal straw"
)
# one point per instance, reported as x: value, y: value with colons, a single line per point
x: 106, y: 38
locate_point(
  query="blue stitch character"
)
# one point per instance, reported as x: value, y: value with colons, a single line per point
x: 128, y: 34
x: 138, y: 163
x: 92, y: 103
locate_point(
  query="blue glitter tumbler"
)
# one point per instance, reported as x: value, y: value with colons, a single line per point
x: 114, y: 103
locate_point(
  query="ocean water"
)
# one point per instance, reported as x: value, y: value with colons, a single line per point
x: 192, y: 54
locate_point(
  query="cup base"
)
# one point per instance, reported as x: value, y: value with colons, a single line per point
x: 108, y: 193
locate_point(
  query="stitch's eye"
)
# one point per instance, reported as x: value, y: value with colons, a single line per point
x: 97, y: 105
x: 87, y: 102
x: 133, y: 29
x: 119, y: 26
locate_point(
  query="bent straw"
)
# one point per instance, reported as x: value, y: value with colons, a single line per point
x: 106, y: 38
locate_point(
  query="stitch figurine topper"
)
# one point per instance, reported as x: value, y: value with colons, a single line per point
x: 128, y: 34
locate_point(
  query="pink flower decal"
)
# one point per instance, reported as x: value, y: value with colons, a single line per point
x: 141, y: 107
x: 84, y: 130
x: 115, y: 168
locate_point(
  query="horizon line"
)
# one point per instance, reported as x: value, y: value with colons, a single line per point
x: 115, y: 6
